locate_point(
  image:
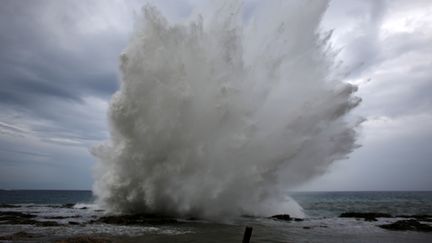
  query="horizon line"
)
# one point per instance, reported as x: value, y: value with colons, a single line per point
x: 294, y: 191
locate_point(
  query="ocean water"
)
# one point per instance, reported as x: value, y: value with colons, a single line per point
x: 331, y: 204
x: 321, y: 223
x: 44, y: 197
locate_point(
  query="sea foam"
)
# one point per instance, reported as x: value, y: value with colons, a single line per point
x: 223, y: 114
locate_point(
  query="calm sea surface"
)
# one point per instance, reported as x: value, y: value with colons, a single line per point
x: 321, y: 224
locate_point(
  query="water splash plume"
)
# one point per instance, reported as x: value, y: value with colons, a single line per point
x: 223, y: 114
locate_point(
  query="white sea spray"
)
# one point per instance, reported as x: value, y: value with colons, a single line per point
x: 222, y: 115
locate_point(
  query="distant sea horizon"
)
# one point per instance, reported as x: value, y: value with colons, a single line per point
x: 293, y: 191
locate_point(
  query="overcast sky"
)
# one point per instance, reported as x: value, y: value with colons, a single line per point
x: 59, y: 68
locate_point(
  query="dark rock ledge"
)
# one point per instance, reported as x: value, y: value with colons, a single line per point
x: 19, y: 236
x: 136, y: 219
x: 285, y: 217
x: 419, y: 217
x: 370, y: 216
x: 409, y: 224
x: 23, y: 218
x: 9, y: 206
x: 85, y: 239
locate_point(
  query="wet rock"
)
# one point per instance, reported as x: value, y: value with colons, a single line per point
x: 420, y: 217
x: 11, y: 214
x: 46, y: 224
x: 306, y: 227
x: 22, y: 218
x: 410, y: 224
x: 84, y: 239
x: 417, y: 216
x: 16, y: 218
x: 32, y: 222
x: 136, y: 219
x: 285, y: 217
x: 365, y: 216
x: 73, y: 223
x: 193, y: 218
x: 9, y: 206
x: 68, y: 205
x: 19, y: 236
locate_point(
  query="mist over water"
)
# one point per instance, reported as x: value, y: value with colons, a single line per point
x: 223, y: 114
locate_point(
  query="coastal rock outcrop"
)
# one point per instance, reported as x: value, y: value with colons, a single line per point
x: 419, y: 217
x: 405, y: 225
x: 8, y: 217
x: 136, y: 219
x: 19, y: 236
x: 285, y: 217
x: 85, y: 239
x: 369, y: 216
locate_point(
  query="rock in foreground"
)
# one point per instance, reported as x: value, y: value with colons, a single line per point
x: 19, y: 236
x: 9, y: 206
x: 419, y: 217
x: 84, y: 239
x: 23, y: 218
x: 136, y: 219
x: 410, y: 224
x: 285, y: 217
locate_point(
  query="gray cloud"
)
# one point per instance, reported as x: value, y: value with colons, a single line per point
x: 57, y: 75
x: 37, y: 63
x: 391, y: 40
x: 58, y: 66
x: 50, y: 64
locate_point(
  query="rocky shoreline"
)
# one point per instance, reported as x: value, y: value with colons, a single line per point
x: 407, y: 222
x: 11, y: 217
x: 410, y: 223
x: 416, y: 223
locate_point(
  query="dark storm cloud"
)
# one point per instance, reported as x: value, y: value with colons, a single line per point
x: 50, y: 65
x: 56, y: 77
x: 58, y: 64
x: 58, y: 69
x: 44, y: 53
